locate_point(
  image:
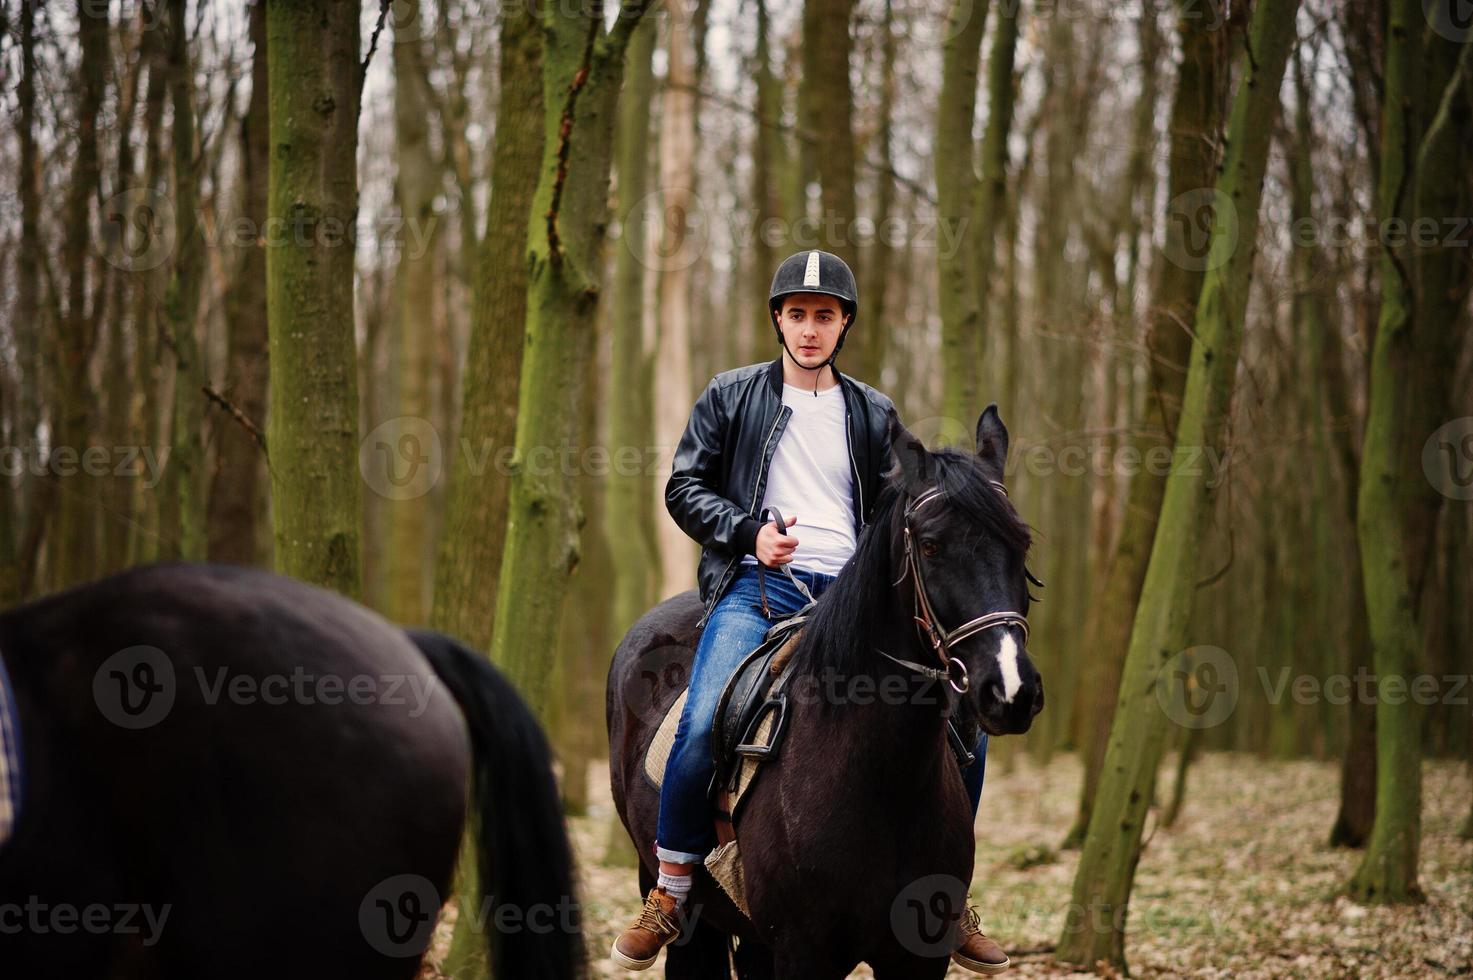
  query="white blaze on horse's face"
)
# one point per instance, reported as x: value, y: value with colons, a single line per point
x: 1007, y: 661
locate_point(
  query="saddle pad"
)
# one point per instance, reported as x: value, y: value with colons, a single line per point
x: 658, y: 753
x: 664, y: 740
x: 9, y: 758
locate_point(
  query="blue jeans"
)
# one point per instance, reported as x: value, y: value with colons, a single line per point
x: 684, y: 833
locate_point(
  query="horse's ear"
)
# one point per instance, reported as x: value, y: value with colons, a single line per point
x: 910, y: 456
x: 992, y: 442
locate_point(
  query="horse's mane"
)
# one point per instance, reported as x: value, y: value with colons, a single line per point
x: 840, y: 632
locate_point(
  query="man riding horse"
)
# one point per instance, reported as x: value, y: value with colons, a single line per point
x: 797, y: 437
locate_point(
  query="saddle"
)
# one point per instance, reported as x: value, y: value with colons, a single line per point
x: 750, y: 723
x: 752, y: 700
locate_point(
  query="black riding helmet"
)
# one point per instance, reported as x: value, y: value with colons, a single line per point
x: 814, y: 271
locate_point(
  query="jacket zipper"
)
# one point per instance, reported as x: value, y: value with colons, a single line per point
x: 756, y: 489
x: 854, y: 467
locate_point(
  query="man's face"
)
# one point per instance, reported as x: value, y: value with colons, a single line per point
x: 811, y: 324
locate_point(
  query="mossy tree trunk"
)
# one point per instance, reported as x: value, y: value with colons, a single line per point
x: 1422, y: 292
x: 182, y: 504
x: 582, y: 69
x: 956, y: 192
x: 1095, y: 927
x: 315, y: 83
x: 1196, y: 116
x: 630, y: 398
x: 468, y: 568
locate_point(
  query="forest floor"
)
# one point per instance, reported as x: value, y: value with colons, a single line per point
x: 1243, y: 886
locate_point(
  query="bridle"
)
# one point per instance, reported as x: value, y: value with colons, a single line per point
x: 953, y: 670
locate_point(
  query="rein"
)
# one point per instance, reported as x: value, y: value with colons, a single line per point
x: 953, y: 670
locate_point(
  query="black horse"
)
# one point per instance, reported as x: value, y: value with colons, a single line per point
x: 234, y: 775
x: 856, y: 844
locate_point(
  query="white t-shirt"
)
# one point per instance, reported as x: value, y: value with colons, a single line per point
x: 811, y: 477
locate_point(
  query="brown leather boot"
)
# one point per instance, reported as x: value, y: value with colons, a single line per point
x: 976, y: 952
x: 639, y: 946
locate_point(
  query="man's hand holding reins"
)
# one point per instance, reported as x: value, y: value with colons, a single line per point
x: 775, y: 548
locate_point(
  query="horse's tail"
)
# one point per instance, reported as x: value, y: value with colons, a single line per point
x: 523, y: 855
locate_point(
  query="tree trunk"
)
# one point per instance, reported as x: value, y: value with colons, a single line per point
x: 875, y: 285
x: 468, y: 570
x: 116, y: 379
x: 73, y: 539
x: 769, y: 151
x: 312, y: 50
x: 956, y: 192
x: 582, y: 71
x: 677, y: 156
x: 149, y: 283
x: 1358, y: 764
x: 237, y: 486
x: 1410, y: 375
x: 990, y: 201
x: 1095, y: 929
x: 19, y: 579
x: 584, y: 646
x: 825, y: 110
x: 418, y: 181
x: 1196, y: 116
x: 630, y: 398
x: 182, y: 506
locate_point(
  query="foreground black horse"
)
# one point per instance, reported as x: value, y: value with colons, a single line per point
x: 233, y: 775
x: 857, y: 844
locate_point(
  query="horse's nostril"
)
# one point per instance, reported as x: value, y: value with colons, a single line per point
x: 1038, y: 700
x: 997, y: 692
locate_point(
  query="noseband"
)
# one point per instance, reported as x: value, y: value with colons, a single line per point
x: 953, y: 670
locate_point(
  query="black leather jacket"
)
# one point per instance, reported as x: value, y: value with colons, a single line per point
x: 720, y: 468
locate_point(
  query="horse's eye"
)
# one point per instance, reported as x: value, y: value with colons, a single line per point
x: 929, y: 548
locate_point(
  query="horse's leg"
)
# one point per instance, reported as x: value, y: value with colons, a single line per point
x: 803, y: 958
x: 907, y: 966
x: 700, y: 953
x: 754, y: 961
